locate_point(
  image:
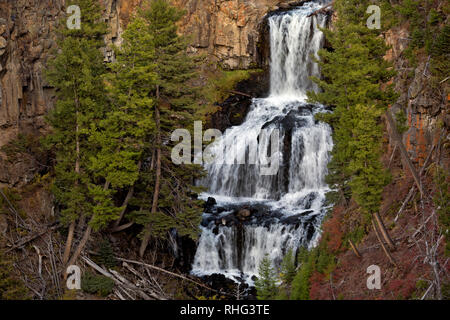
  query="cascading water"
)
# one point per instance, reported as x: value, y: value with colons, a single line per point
x: 285, y: 203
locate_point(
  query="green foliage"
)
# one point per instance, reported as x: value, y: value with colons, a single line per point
x: 355, y: 236
x: 318, y: 259
x: 401, y: 121
x: 429, y: 32
x: 222, y: 82
x: 288, y: 270
x: 76, y: 72
x: 11, y: 287
x: 106, y: 255
x: 368, y: 174
x: 301, y: 282
x: 24, y: 143
x: 266, y: 288
x: 96, y: 284
x: 173, y: 106
x: 353, y: 74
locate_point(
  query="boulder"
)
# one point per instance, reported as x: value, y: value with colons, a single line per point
x: 243, y: 214
x: 209, y: 205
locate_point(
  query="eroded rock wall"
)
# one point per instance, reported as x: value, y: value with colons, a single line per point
x: 425, y: 108
x: 225, y: 30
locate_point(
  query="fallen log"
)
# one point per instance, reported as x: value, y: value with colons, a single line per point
x: 241, y: 93
x: 391, y: 259
x: 384, y: 232
x: 355, y: 250
x: 321, y: 10
x: 172, y: 274
x: 120, y: 281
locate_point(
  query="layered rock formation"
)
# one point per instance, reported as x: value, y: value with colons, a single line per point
x: 226, y: 30
x: 424, y: 106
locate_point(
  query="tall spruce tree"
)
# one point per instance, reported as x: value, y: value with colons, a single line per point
x: 129, y: 125
x: 266, y: 288
x: 173, y: 203
x: 76, y: 73
x: 354, y: 73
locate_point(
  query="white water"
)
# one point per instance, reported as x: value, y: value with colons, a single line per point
x: 298, y: 184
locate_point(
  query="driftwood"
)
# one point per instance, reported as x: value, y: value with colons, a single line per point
x: 355, y: 250
x: 391, y: 259
x: 121, y: 282
x: 146, y: 280
x: 170, y: 273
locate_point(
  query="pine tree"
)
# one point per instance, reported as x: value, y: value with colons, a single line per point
x: 76, y: 73
x: 173, y: 204
x: 353, y: 75
x: 288, y: 267
x: 266, y: 288
x: 301, y: 282
x: 369, y: 176
x: 129, y: 125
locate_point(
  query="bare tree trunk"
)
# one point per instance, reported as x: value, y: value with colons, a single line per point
x: 355, y: 250
x: 386, y: 251
x: 69, y: 243
x: 146, y: 238
x: 69, y: 240
x: 86, y: 235
x: 125, y: 202
x: 384, y: 231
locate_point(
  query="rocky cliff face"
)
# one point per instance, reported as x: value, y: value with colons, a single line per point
x: 226, y: 30
x: 424, y: 106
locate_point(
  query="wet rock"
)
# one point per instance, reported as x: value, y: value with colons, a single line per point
x: 209, y: 205
x: 243, y: 214
x: 294, y: 219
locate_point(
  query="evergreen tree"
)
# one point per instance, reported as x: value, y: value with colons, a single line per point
x: 288, y: 267
x: 129, y: 125
x: 76, y: 73
x: 173, y: 204
x: 353, y: 75
x: 266, y: 288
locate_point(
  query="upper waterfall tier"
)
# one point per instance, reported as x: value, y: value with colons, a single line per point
x: 294, y: 39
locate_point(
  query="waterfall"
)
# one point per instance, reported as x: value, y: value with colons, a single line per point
x: 286, y: 204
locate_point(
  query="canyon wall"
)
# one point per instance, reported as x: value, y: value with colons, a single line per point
x: 425, y: 108
x: 227, y: 31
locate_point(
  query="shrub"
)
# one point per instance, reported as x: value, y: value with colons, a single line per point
x: 106, y: 255
x: 96, y: 284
